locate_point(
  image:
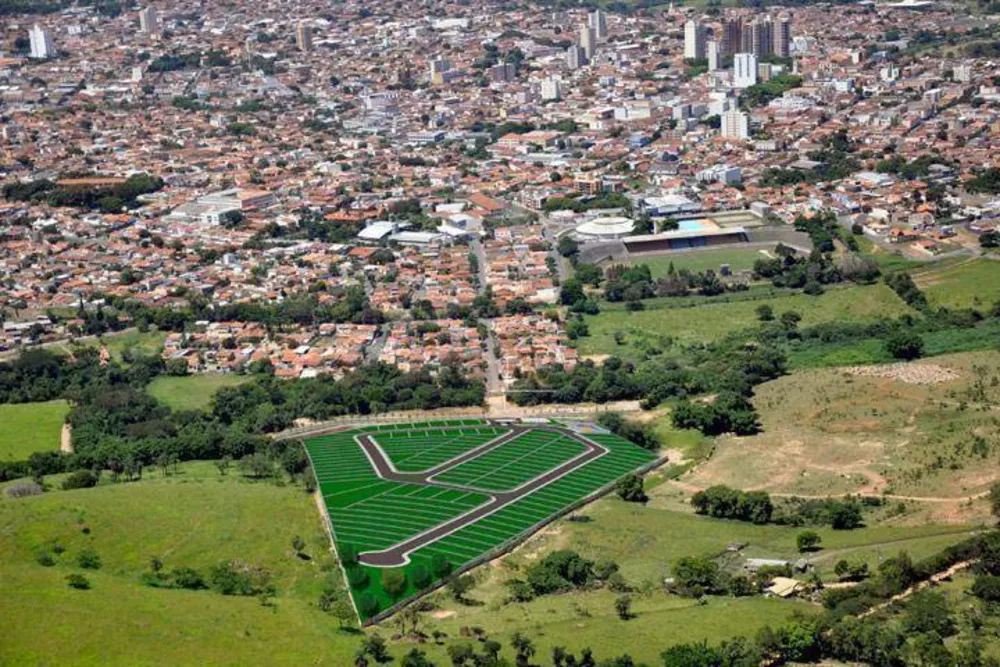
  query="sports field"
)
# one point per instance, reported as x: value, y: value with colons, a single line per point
x: 458, y: 490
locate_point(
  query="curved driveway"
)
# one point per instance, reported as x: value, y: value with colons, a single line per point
x: 399, y: 554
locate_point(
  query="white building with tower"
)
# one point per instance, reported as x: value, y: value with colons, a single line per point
x: 713, y: 55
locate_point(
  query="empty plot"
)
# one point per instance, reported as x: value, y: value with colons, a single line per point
x: 421, y: 449
x: 515, y: 462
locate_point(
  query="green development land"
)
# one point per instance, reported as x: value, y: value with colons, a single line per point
x: 26, y: 428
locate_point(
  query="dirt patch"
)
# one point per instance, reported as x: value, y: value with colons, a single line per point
x: 66, y: 439
x: 908, y: 373
x: 443, y: 614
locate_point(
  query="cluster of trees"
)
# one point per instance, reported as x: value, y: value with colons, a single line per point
x: 844, y: 514
x: 610, y: 200
x: 835, y: 161
x: 107, y: 198
x: 170, y: 62
x: 118, y: 426
x: 723, y: 502
x: 813, y: 271
x: 986, y: 182
x: 704, y: 283
x: 730, y: 412
x: 562, y: 571
x: 639, y: 434
x: 911, y: 170
x: 760, y: 94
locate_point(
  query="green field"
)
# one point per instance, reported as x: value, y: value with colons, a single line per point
x: 738, y: 259
x: 368, y: 513
x: 961, y: 284
x: 191, y: 392
x: 26, y: 428
x: 669, y: 318
x: 195, y: 518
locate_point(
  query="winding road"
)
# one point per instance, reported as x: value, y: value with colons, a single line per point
x: 399, y: 554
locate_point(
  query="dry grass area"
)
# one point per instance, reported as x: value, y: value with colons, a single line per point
x: 927, y: 433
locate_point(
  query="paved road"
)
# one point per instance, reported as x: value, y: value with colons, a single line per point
x: 494, y: 385
x: 399, y: 554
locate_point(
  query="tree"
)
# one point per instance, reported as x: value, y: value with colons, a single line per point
x: 845, y: 516
x: 459, y: 586
x: 415, y: 658
x: 990, y: 239
x: 906, y: 345
x: 623, y: 607
x: 928, y: 611
x: 298, y: 544
x: 995, y: 499
x: 524, y: 649
x: 630, y: 489
x: 78, y: 581
x: 807, y: 540
x: 342, y: 611
x: 567, y: 246
x: 374, y: 646
x: 765, y: 313
x: 393, y: 582
x: 89, y: 560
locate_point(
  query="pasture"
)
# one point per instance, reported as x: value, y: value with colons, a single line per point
x: 677, y: 319
x: 191, y: 392
x: 26, y: 428
x: 962, y: 283
x: 738, y: 259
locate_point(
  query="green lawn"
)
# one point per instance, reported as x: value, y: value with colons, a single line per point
x: 191, y: 392
x: 194, y: 519
x: 961, y: 284
x: 739, y: 259
x: 665, y: 318
x: 26, y: 428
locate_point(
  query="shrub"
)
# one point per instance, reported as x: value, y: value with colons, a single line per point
x: 420, y: 577
x: 237, y: 578
x: 367, y: 605
x: 89, y: 560
x: 24, y: 489
x: 45, y: 558
x: 187, y: 577
x: 393, y: 582
x: 348, y: 555
x: 905, y: 345
x: 81, y: 479
x: 440, y: 566
x: 77, y: 581
x: 357, y: 576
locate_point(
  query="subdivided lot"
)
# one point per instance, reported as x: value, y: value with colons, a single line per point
x: 372, y: 514
x: 26, y: 428
x: 414, y: 451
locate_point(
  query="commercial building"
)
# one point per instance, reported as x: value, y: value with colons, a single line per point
x: 782, y: 41
x: 551, y: 89
x: 575, y: 57
x: 713, y: 55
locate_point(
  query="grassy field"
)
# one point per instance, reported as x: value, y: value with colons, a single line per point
x: 962, y: 283
x: 828, y: 432
x: 738, y: 259
x: 191, y: 392
x: 26, y: 428
x: 664, y: 318
x: 196, y: 519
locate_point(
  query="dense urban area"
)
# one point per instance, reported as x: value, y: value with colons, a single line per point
x: 569, y: 333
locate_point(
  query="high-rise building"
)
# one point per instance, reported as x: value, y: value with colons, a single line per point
x: 303, y: 37
x: 694, y: 40
x: 712, y: 54
x: 782, y: 41
x: 761, y: 33
x: 440, y: 71
x: 732, y: 36
x: 42, y: 46
x: 735, y: 125
x: 744, y: 70
x: 551, y: 89
x: 598, y: 22
x: 502, y: 72
x: 587, y: 41
x: 148, y: 24
x: 575, y: 56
